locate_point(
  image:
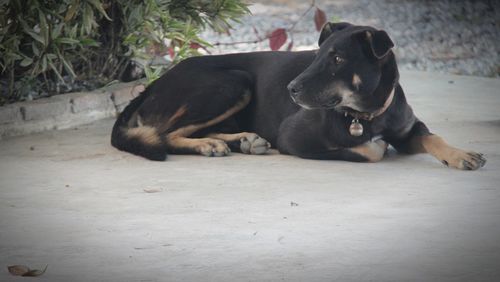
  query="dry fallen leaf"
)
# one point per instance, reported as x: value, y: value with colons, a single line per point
x: 35, y: 272
x: 18, y: 270
x: 23, y: 270
x: 152, y: 190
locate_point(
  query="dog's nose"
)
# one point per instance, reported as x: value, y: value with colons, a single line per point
x: 294, y: 88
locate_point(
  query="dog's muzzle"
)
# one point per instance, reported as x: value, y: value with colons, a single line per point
x: 295, y: 89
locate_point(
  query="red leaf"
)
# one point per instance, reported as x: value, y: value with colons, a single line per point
x: 194, y: 45
x: 290, y: 46
x: 319, y: 18
x: 171, y: 52
x: 277, y: 38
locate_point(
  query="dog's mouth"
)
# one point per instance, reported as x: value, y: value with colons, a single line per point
x: 350, y: 111
x: 332, y: 104
x: 345, y: 109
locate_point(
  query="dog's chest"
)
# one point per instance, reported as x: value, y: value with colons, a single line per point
x: 339, y: 133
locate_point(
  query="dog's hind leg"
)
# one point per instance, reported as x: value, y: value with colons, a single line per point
x: 178, y: 141
x: 209, y: 147
x: 244, y: 142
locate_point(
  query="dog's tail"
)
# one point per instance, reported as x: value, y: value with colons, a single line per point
x: 131, y: 136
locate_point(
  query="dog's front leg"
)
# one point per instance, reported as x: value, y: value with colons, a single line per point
x: 366, y: 152
x: 305, y: 140
x: 420, y: 140
x: 372, y: 151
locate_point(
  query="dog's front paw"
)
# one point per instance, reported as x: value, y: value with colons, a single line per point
x: 382, y: 145
x: 464, y: 160
x: 254, y: 144
x: 372, y: 151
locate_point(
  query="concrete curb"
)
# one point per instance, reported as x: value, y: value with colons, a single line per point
x: 67, y: 110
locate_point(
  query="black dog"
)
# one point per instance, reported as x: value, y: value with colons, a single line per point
x: 340, y: 98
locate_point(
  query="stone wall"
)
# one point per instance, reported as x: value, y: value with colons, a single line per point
x: 67, y: 110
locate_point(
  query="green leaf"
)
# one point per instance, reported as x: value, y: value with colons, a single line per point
x: 56, y: 32
x: 72, y: 32
x: 51, y: 56
x: 26, y: 62
x: 88, y: 19
x: 13, y: 56
x: 67, y: 40
x: 36, y: 36
x: 98, y: 5
x: 72, y: 10
x: 36, y: 51
x: 89, y: 42
x: 68, y: 67
x: 54, y: 68
x: 30, y: 31
x: 44, y: 28
x: 44, y: 64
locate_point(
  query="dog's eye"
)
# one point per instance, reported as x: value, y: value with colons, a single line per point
x: 338, y: 60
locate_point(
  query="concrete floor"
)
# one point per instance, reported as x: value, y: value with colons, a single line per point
x: 80, y: 206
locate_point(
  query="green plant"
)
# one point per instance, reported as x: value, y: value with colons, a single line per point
x: 152, y: 73
x: 56, y: 45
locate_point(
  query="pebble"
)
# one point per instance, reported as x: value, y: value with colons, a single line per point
x: 445, y: 36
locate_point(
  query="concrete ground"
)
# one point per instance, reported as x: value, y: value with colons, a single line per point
x: 91, y: 213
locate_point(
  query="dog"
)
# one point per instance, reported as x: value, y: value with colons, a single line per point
x: 340, y: 102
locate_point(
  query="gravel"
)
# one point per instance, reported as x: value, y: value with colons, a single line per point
x: 457, y: 37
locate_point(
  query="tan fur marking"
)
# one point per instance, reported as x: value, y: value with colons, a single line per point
x: 448, y: 155
x: 146, y: 134
x: 348, y: 97
x: 190, y: 129
x: 183, y: 142
x: 230, y: 137
x: 434, y: 145
x: 204, y: 146
x: 356, y: 81
x: 373, y: 151
x: 175, y: 117
x: 139, y: 121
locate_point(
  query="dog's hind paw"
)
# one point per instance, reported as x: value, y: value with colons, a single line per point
x: 213, y: 148
x: 254, y: 144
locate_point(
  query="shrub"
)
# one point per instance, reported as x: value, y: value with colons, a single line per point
x: 56, y: 46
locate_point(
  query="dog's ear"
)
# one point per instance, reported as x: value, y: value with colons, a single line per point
x: 329, y: 28
x: 380, y: 43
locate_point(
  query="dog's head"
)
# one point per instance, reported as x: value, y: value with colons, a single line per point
x: 352, y: 67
